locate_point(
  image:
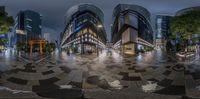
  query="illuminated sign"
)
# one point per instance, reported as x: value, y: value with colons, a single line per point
x: 21, y: 32
x: 2, y: 35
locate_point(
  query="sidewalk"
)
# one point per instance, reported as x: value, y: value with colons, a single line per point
x: 35, y: 58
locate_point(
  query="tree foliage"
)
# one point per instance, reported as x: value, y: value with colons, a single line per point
x: 21, y: 46
x: 50, y: 47
x: 186, y: 25
x: 5, y: 22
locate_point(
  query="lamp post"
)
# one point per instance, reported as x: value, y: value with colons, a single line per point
x: 98, y: 27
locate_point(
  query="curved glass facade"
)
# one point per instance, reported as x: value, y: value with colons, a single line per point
x: 131, y: 28
x: 82, y: 33
x: 123, y: 7
x: 82, y: 8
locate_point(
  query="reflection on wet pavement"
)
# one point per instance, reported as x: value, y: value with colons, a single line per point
x: 91, y: 76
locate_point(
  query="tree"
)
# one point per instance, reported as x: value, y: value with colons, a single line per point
x: 185, y: 26
x: 21, y: 46
x: 50, y: 47
x: 5, y: 22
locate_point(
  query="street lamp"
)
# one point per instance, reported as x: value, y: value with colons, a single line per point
x: 98, y: 27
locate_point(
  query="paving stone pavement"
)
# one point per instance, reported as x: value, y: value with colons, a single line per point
x: 94, y: 76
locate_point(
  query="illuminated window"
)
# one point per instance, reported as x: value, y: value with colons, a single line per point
x: 79, y: 33
x: 85, y: 31
x: 90, y: 31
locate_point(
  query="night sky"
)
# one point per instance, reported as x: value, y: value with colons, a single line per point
x: 53, y: 11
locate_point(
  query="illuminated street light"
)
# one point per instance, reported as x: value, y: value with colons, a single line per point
x: 99, y: 26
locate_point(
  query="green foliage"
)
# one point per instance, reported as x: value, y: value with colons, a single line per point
x: 3, y: 40
x: 186, y: 25
x: 5, y: 22
x: 50, y: 47
x: 21, y: 46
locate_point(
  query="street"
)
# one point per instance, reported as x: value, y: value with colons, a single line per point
x: 152, y: 74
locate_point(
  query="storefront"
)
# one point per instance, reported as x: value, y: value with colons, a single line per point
x: 129, y: 48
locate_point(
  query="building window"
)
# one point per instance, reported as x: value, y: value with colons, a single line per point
x: 85, y: 31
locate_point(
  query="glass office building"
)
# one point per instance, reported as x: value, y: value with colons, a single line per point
x: 131, y: 29
x: 162, y: 30
x: 84, y: 31
x: 27, y: 26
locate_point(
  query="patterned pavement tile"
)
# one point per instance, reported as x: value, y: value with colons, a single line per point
x: 140, y: 70
x: 167, y: 72
x: 48, y: 72
x: 44, y: 87
x: 49, y: 80
x: 45, y: 78
x: 165, y: 82
x: 172, y: 90
x: 76, y: 84
x: 17, y: 81
x: 179, y: 80
x: 65, y: 69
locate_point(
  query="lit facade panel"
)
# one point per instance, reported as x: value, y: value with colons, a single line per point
x: 129, y: 35
x: 22, y: 32
x: 129, y: 48
x: 131, y: 23
x: 82, y: 33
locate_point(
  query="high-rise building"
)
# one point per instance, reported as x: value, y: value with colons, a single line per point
x: 47, y: 37
x: 162, y: 30
x: 84, y: 31
x: 131, y: 29
x: 2, y: 9
x: 27, y: 26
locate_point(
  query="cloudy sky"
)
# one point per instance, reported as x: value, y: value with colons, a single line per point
x: 53, y: 11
